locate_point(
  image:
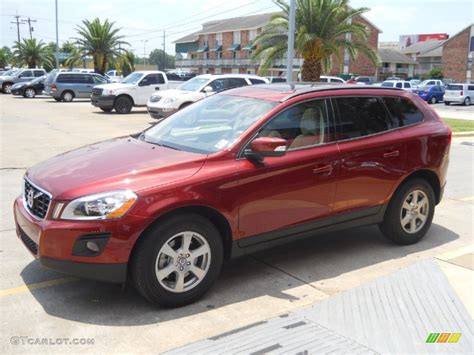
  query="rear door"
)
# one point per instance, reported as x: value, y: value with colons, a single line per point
x: 372, y: 154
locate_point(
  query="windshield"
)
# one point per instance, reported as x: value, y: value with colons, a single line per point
x: 10, y: 72
x: 454, y: 87
x: 132, y: 78
x: 193, y: 85
x: 209, y: 125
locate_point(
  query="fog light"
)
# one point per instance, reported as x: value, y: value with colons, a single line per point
x: 93, y: 247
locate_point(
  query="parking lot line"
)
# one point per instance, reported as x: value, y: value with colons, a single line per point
x: 35, y: 286
x: 470, y: 198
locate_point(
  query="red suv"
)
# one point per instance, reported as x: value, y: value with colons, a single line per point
x: 234, y: 173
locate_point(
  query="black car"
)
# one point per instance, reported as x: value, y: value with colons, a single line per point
x: 29, y: 89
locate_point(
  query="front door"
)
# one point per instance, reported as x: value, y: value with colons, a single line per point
x: 150, y: 84
x: 288, y: 194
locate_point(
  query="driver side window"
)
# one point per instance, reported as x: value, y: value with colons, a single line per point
x: 303, y: 125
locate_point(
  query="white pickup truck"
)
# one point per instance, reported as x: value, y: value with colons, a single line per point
x: 132, y: 91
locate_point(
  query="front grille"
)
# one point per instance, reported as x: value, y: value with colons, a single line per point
x: 29, y: 243
x: 97, y: 91
x: 36, y: 201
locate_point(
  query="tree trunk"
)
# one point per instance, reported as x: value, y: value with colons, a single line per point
x: 311, y: 70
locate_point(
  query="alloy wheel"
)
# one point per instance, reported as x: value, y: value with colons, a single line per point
x: 183, y: 262
x: 414, y: 211
x: 30, y: 93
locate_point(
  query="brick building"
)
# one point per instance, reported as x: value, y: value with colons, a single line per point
x: 225, y: 46
x: 458, y: 54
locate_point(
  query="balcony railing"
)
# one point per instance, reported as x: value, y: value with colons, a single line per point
x: 230, y: 63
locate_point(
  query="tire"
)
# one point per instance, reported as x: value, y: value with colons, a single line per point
x: 7, y: 88
x: 398, y: 225
x: 106, y: 109
x: 447, y: 103
x: 164, y: 238
x: 67, y: 96
x: 467, y: 101
x: 58, y: 99
x: 29, y: 93
x: 123, y: 104
x: 433, y: 100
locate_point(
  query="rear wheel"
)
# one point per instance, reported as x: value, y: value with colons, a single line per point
x: 178, y: 260
x: 123, y: 104
x: 409, y: 213
x: 447, y: 103
x: 29, y: 93
x: 7, y: 88
x: 433, y: 100
x: 106, y: 109
x: 467, y: 101
x: 67, y: 96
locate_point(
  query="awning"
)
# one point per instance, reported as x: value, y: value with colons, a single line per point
x: 234, y: 47
x: 216, y: 49
x: 248, y: 47
x: 203, y: 49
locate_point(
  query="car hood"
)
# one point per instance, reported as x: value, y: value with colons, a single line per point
x: 114, y: 86
x: 19, y: 85
x: 177, y: 93
x: 121, y: 163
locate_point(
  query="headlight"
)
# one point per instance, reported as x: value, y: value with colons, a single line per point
x: 155, y: 98
x: 107, y: 205
x: 169, y: 100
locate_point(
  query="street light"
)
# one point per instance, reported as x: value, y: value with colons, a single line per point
x: 291, y: 42
x: 144, y: 52
x: 57, y: 36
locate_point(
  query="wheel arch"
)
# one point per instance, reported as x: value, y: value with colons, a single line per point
x: 211, y: 214
x: 186, y: 103
x: 427, y: 175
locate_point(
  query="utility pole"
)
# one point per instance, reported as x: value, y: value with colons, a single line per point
x: 29, y: 21
x: 17, y: 23
x: 291, y: 42
x: 57, y: 36
x: 164, y: 50
x: 144, y: 52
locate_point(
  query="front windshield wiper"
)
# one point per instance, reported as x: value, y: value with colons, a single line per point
x: 142, y: 137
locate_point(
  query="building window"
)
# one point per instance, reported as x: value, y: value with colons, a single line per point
x: 252, y: 35
x: 235, y: 55
x: 236, y: 37
x: 218, y: 39
x: 219, y: 55
x: 206, y: 41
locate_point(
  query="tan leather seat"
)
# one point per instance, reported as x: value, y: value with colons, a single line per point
x: 312, y: 129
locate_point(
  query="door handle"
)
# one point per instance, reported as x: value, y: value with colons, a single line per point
x: 394, y: 153
x: 323, y: 169
x: 157, y: 88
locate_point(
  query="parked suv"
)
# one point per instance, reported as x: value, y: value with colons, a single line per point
x: 67, y: 86
x: 7, y: 80
x: 400, y: 84
x: 234, y: 173
x: 459, y: 93
x: 167, y: 102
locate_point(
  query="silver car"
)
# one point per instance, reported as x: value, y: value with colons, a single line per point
x: 68, y: 86
x: 459, y: 93
x: 14, y: 76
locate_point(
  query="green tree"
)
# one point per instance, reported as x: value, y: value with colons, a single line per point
x: 126, y: 63
x: 75, y: 56
x: 5, y: 56
x: 321, y: 26
x: 156, y: 57
x: 30, y: 52
x: 435, y: 73
x: 101, y: 41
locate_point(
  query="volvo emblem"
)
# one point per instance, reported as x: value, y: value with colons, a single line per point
x: 30, y: 198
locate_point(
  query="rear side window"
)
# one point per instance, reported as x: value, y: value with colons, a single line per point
x: 470, y: 87
x: 237, y: 82
x: 406, y: 85
x: 39, y: 73
x: 74, y: 78
x: 362, y: 116
x: 323, y: 80
x: 256, y: 81
x: 403, y: 112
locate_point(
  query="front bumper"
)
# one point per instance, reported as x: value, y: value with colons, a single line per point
x: 18, y: 91
x: 106, y: 101
x: 59, y: 245
x: 160, y: 112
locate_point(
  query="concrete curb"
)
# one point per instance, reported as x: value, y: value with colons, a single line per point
x: 463, y: 134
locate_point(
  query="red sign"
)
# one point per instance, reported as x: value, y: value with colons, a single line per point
x: 432, y: 36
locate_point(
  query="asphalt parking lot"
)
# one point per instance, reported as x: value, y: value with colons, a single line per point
x: 39, y: 303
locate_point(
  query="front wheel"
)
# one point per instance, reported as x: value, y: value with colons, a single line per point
x: 433, y: 100
x: 123, y: 104
x: 177, y: 260
x: 29, y: 93
x: 409, y: 213
x: 447, y: 103
x: 106, y: 109
x: 7, y: 88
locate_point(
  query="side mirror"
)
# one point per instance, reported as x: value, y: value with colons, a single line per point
x: 144, y: 82
x: 267, y: 147
x: 208, y: 89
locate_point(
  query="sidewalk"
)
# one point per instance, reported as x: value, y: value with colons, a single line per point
x: 392, y: 314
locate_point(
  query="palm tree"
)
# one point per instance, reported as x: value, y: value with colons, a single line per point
x: 75, y: 56
x: 101, y: 41
x: 126, y: 63
x: 30, y: 52
x: 321, y: 26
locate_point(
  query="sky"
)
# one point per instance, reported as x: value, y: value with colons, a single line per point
x: 143, y: 21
